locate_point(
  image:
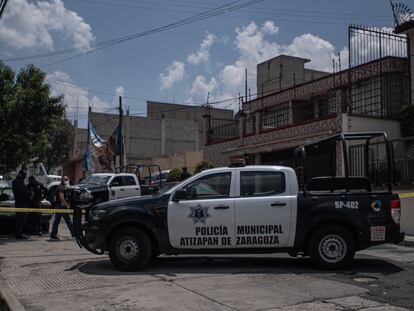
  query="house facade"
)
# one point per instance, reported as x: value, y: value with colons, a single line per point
x: 297, y: 106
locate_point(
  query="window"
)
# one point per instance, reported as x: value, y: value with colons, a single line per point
x: 129, y: 181
x: 211, y: 186
x: 256, y: 184
x: 116, y: 182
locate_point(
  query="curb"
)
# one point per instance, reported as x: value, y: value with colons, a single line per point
x: 408, y: 241
x: 8, y: 301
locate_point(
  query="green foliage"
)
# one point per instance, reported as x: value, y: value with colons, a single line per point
x: 174, y: 175
x: 407, y: 121
x: 29, y: 116
x: 201, y: 166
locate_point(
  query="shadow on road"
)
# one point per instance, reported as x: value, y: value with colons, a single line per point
x: 235, y: 265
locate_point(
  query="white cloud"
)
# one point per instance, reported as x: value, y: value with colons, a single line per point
x: 319, y: 51
x: 201, y: 87
x: 270, y: 28
x: 42, y: 24
x: 119, y: 91
x: 174, y: 73
x: 254, y: 47
x: 203, y: 53
x: 76, y: 98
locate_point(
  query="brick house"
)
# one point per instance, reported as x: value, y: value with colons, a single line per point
x: 297, y: 105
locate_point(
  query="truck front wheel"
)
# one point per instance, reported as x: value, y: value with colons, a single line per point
x: 130, y: 249
x: 331, y: 247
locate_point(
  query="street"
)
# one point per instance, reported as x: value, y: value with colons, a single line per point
x: 42, y: 275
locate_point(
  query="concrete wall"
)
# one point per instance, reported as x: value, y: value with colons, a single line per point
x: 365, y: 124
x: 188, y: 159
x: 147, y: 138
x: 282, y: 72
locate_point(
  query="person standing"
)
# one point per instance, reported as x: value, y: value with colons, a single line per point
x: 21, y: 200
x: 184, y: 174
x: 61, y: 202
x: 38, y: 191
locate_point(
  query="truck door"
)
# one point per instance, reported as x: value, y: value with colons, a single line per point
x: 205, y: 219
x: 131, y: 187
x: 263, y: 209
x: 116, y: 188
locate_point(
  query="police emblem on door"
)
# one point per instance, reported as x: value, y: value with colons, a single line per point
x: 199, y: 214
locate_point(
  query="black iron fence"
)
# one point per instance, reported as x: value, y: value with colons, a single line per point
x: 377, y: 164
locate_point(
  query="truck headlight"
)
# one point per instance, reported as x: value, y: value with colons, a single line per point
x: 97, y: 214
x: 85, y: 195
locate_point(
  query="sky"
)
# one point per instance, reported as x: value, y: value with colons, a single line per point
x: 183, y: 64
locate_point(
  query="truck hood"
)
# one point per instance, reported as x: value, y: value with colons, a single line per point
x: 90, y: 187
x: 147, y: 201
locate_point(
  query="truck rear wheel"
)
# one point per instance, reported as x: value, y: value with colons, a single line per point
x: 130, y: 249
x: 331, y: 247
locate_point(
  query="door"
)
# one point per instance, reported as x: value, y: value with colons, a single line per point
x: 205, y: 219
x: 116, y: 189
x: 131, y: 187
x: 263, y: 210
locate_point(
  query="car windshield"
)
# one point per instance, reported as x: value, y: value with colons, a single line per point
x: 168, y: 186
x: 96, y: 179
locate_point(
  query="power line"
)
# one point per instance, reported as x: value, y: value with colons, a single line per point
x: 3, y: 4
x: 248, y: 10
x: 106, y: 44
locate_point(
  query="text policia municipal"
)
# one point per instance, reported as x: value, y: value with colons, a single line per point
x: 245, y: 235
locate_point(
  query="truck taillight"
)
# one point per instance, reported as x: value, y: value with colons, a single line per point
x: 395, y: 208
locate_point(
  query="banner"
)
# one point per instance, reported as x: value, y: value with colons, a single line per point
x: 115, y: 145
x: 99, y: 154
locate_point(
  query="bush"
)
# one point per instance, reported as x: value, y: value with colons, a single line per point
x: 174, y: 175
x: 201, y: 166
x: 407, y: 121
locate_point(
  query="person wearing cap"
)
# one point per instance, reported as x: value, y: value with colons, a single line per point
x: 60, y: 203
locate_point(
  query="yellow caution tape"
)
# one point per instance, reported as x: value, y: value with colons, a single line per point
x: 36, y: 210
x: 406, y: 195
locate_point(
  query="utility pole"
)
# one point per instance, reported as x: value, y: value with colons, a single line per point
x: 245, y: 86
x: 119, y: 157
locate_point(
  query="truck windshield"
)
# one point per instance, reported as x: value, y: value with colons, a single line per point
x: 96, y: 179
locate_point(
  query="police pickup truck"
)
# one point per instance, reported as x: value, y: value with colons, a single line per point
x: 248, y: 209
x: 103, y: 187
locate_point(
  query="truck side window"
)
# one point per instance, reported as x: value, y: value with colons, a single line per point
x: 129, y: 181
x: 116, y: 182
x: 256, y: 184
x: 211, y: 186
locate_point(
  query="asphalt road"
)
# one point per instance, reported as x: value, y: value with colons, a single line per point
x: 44, y: 275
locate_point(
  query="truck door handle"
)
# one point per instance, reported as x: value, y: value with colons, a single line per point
x: 221, y: 207
x: 121, y: 189
x: 278, y: 204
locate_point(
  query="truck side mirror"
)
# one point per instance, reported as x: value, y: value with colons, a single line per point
x: 179, y: 195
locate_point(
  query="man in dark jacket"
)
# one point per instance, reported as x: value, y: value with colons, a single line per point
x: 38, y: 192
x: 21, y: 197
x: 184, y: 174
x: 61, y: 203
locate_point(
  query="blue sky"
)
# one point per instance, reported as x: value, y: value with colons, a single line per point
x: 179, y: 65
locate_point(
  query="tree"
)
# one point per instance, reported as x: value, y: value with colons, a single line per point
x: 174, y: 175
x: 201, y: 166
x: 59, y: 145
x: 28, y: 115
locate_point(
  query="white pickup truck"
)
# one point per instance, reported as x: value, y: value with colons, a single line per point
x: 104, y: 187
x: 248, y: 209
